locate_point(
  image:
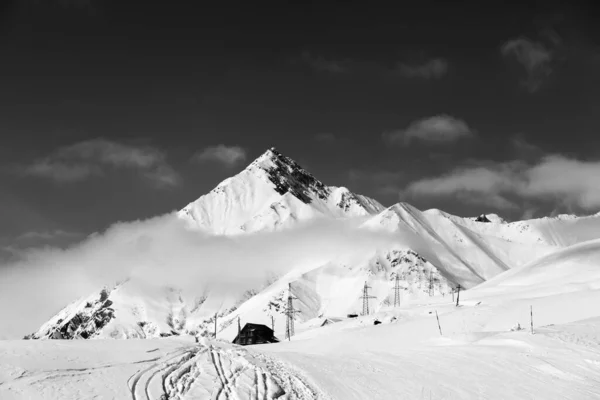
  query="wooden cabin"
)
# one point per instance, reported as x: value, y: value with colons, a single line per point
x: 255, y: 334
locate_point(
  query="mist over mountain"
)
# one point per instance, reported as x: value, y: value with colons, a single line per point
x: 234, y: 251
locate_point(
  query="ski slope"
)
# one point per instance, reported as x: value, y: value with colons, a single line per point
x: 403, y: 358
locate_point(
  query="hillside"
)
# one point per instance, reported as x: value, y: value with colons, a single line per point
x: 333, y: 242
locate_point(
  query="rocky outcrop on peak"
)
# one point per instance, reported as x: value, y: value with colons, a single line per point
x: 289, y: 177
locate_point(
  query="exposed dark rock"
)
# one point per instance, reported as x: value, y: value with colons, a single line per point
x: 289, y: 177
x: 86, y: 323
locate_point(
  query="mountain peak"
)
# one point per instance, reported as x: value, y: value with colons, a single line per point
x: 270, y: 157
x: 288, y: 176
x: 273, y: 191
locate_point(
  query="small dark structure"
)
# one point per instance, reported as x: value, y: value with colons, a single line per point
x: 352, y: 315
x: 255, y: 334
x: 329, y: 321
x: 376, y: 322
x: 482, y: 218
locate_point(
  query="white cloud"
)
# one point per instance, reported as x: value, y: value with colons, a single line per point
x: 565, y: 181
x: 438, y: 129
x: 533, y: 56
x: 227, y: 155
x: 82, y: 160
x: 572, y: 180
x: 432, y: 69
x: 163, y: 252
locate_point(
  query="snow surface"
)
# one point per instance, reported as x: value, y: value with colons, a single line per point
x: 479, y: 356
x: 485, y: 349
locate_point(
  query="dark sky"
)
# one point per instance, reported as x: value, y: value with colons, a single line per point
x: 351, y: 90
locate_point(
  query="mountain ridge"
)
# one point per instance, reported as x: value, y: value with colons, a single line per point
x: 274, y: 194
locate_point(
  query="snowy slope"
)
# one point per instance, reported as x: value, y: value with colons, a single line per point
x: 471, y: 252
x: 272, y: 192
x: 574, y: 268
x: 548, y: 265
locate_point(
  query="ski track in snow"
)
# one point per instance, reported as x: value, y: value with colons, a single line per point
x: 232, y: 374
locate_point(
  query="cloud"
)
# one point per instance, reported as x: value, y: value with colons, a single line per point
x: 227, y: 155
x: 566, y: 181
x: 162, y: 252
x: 432, y: 69
x: 436, y: 130
x: 83, y: 160
x: 321, y: 64
x: 485, y: 184
x: 533, y: 56
x: 325, y: 137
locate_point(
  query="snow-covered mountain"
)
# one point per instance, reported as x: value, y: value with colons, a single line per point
x: 271, y: 193
x: 431, y: 252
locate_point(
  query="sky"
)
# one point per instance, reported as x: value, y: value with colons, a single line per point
x: 124, y: 110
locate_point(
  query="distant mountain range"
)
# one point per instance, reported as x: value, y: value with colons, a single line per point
x: 430, y: 251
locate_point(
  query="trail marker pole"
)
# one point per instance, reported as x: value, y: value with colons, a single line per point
x: 458, y: 295
x: 438, y: 321
x: 531, y: 315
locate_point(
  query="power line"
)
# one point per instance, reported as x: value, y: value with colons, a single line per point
x: 366, y: 298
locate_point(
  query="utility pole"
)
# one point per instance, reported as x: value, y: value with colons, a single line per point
x: 239, y: 328
x: 273, y: 324
x: 290, y: 312
x: 215, y: 325
x: 366, y: 298
x: 457, y: 295
x: 397, y: 292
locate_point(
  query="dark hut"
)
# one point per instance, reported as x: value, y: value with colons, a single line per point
x: 482, y: 218
x: 255, y: 334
